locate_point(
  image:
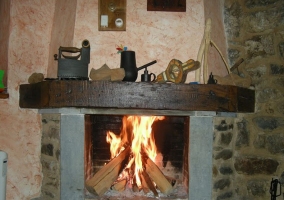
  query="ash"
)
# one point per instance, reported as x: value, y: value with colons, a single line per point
x: 179, y: 193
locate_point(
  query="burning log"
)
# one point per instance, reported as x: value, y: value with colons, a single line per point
x: 107, y: 175
x: 148, y: 184
x: 158, y: 177
x: 120, y: 185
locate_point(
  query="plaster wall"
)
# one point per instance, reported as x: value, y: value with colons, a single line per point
x: 159, y: 36
x: 29, y: 37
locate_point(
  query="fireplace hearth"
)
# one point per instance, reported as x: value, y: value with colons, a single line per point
x: 69, y: 102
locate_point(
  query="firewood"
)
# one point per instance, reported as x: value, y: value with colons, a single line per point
x: 105, y: 177
x: 158, y: 177
x: 148, y: 182
x: 120, y: 185
x: 135, y: 188
x: 172, y: 181
x: 105, y: 73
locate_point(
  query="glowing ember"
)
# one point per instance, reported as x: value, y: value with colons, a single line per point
x: 136, y: 132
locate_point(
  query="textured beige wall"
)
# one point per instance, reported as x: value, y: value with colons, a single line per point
x: 62, y: 31
x: 214, y: 10
x: 30, y: 28
x: 159, y: 36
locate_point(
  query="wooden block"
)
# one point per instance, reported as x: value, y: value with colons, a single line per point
x: 106, y: 176
x: 148, y: 183
x: 120, y: 185
x: 158, y: 177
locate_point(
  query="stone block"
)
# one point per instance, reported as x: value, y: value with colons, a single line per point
x: 262, y: 45
x: 226, y: 138
x: 255, y: 165
x: 226, y: 195
x: 275, y: 143
x: 47, y: 149
x: 257, y: 73
x: 226, y: 170
x: 259, y: 3
x: 257, y: 22
x: 242, y: 134
x: 267, y: 123
x: 232, y: 15
x: 277, y: 69
x: 221, y: 184
x: 224, y: 154
x: 233, y: 55
x: 257, y: 187
x: 281, y: 49
x: 223, y: 126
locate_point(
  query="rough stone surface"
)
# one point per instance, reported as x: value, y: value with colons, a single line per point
x: 226, y: 138
x: 50, y: 164
x: 243, y: 134
x: 255, y: 165
x: 224, y: 154
x: 267, y: 123
x: 47, y: 149
x: 281, y: 179
x: 226, y: 170
x: 259, y: 46
x: 226, y: 195
x: 233, y: 55
x: 232, y: 21
x: 257, y: 22
x: 223, y: 126
x: 257, y: 73
x: 221, y: 184
x: 255, y: 32
x: 256, y: 187
x: 259, y: 3
x: 277, y: 69
x: 268, y: 94
x: 275, y: 143
x: 281, y: 49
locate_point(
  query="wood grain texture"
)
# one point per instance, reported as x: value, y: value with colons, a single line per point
x: 136, y: 95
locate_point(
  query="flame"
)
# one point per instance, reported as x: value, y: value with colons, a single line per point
x: 136, y: 132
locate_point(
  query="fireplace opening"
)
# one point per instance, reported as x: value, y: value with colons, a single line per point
x: 171, y: 139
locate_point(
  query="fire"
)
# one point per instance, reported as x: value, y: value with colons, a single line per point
x: 137, y: 133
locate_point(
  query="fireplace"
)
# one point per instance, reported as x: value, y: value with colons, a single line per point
x: 64, y: 106
x: 167, y: 139
x: 67, y: 180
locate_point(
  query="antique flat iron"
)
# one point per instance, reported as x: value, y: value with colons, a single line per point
x: 73, y: 67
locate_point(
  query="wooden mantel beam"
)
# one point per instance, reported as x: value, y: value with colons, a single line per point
x: 136, y: 95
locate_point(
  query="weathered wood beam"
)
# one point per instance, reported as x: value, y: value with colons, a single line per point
x: 136, y: 95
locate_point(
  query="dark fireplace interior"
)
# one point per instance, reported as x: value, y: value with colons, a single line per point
x: 171, y: 139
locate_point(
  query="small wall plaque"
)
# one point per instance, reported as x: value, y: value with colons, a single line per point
x: 112, y: 15
x: 166, y: 5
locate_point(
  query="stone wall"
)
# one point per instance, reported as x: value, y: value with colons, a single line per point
x: 223, y: 169
x: 248, y: 152
x: 50, y: 156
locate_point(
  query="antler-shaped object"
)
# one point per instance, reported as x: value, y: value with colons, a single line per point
x: 177, y: 71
